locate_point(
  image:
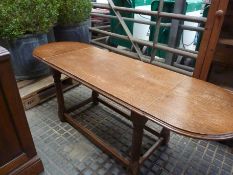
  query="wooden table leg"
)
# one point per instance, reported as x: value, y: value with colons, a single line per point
x: 165, y: 133
x: 59, y: 93
x: 138, y: 125
x: 95, y: 96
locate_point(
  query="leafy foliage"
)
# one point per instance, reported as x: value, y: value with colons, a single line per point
x: 72, y: 12
x: 20, y: 17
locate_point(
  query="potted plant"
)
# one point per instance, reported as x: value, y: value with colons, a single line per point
x: 23, y: 26
x: 73, y: 21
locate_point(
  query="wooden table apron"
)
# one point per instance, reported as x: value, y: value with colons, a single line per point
x: 138, y: 117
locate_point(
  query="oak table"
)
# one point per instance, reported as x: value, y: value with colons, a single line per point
x: 178, y: 103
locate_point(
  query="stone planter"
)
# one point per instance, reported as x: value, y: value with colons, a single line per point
x: 74, y: 33
x: 24, y: 64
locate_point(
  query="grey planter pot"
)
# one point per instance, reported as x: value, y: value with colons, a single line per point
x: 24, y: 64
x: 78, y: 33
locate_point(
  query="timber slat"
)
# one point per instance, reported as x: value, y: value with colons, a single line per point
x: 34, y: 92
x: 34, y: 86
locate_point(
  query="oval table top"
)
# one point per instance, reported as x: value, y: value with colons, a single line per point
x: 180, y: 103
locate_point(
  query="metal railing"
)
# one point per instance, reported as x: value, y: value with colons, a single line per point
x: 155, y: 45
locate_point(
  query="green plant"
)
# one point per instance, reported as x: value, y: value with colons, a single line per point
x: 20, y: 17
x: 72, y: 12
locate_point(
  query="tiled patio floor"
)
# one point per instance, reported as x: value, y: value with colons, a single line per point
x: 64, y: 151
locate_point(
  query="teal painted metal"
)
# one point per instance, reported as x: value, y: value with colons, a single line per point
x: 142, y: 2
x: 116, y: 26
x: 192, y: 5
x: 164, y: 31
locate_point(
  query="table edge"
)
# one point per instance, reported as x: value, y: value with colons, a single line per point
x: 134, y: 109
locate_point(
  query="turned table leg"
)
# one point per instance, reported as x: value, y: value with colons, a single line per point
x: 95, y: 96
x: 138, y: 125
x: 59, y: 93
x: 165, y: 133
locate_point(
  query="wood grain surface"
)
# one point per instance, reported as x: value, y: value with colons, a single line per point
x: 182, y: 104
x: 17, y: 151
